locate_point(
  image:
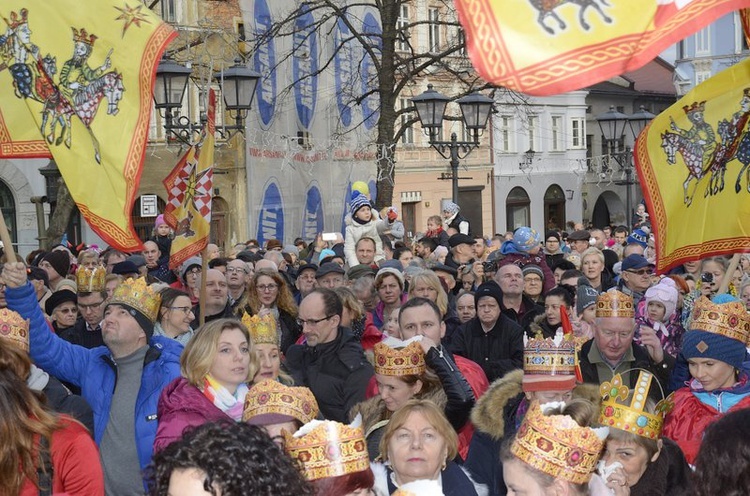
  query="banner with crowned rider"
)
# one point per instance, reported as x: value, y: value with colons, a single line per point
x: 76, y: 83
x: 693, y: 162
x: 547, y: 47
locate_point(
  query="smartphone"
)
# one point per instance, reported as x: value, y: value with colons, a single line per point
x: 331, y: 236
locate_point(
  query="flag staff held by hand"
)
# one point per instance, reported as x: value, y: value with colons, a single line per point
x: 10, y: 255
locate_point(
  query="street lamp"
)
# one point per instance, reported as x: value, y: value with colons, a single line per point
x: 528, y: 160
x: 237, y: 83
x: 475, y: 111
x: 612, y: 125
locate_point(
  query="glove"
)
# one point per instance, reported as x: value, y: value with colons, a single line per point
x: 392, y: 214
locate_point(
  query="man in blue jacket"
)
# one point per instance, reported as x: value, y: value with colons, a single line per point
x: 121, y: 381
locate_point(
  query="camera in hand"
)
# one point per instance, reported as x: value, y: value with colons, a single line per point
x: 707, y: 278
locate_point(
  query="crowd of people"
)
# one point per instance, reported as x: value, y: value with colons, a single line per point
x: 364, y: 364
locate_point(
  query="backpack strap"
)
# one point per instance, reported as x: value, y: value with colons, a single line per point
x: 44, y: 471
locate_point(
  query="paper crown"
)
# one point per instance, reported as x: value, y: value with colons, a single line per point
x: 17, y: 19
x: 137, y: 294
x: 694, y: 107
x: 329, y: 449
x: 614, y: 303
x: 83, y: 37
x: 558, y: 446
x: 392, y: 361
x: 272, y: 398
x: 14, y: 328
x: 546, y: 357
x: 91, y: 281
x: 262, y: 329
x: 727, y: 319
x: 633, y: 417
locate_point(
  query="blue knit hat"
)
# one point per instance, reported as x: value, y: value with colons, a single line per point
x: 719, y: 329
x: 358, y: 201
x: 638, y: 236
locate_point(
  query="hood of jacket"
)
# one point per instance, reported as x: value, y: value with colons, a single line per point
x: 181, y: 396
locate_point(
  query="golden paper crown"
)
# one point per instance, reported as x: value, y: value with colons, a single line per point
x: 633, y: 417
x: 557, y: 445
x: 83, y: 37
x: 614, y: 303
x: 545, y: 357
x: 14, y: 328
x: 273, y: 398
x: 136, y: 294
x: 91, y: 281
x: 17, y: 19
x: 728, y: 319
x: 694, y: 107
x: 408, y: 360
x: 329, y: 449
x: 262, y: 329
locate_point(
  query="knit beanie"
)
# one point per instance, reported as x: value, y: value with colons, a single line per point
x: 159, y: 221
x: 698, y: 343
x: 552, y: 234
x: 358, y: 201
x: 638, y: 236
x: 490, y: 289
x: 59, y: 260
x: 665, y: 292
x: 585, y: 295
x: 451, y: 208
x: 533, y: 269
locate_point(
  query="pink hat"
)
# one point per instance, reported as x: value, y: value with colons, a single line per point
x: 159, y: 220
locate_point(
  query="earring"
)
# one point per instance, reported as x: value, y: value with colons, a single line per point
x: 445, y: 464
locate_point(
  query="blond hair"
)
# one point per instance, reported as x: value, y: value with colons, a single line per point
x: 433, y: 414
x: 431, y: 279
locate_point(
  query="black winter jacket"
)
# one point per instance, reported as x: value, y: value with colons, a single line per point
x: 497, y: 352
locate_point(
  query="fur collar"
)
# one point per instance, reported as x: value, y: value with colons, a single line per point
x: 373, y: 410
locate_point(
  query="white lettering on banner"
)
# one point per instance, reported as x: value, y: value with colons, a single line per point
x: 311, y: 225
x: 268, y: 221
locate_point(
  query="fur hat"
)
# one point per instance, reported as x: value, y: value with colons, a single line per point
x: 358, y: 201
x: 665, y: 292
x: 59, y: 260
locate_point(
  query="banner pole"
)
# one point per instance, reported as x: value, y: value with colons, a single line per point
x: 733, y: 264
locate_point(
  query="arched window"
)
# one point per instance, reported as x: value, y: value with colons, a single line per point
x: 554, y: 207
x: 517, y: 209
x: 8, y: 206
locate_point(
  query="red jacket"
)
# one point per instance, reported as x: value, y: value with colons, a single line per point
x: 182, y: 405
x: 688, y: 420
x: 75, y: 462
x: 476, y: 378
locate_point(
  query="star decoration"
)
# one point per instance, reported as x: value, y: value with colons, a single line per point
x: 131, y: 16
x: 191, y: 187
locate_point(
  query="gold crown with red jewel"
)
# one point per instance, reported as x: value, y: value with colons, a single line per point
x: 727, y: 319
x: 138, y: 295
x: 14, y: 328
x: 633, y: 417
x: 329, y: 449
x: 83, y: 36
x: 271, y: 397
x: 18, y: 19
x: 614, y: 303
x: 694, y: 107
x: 397, y: 362
x: 91, y: 281
x: 558, y: 446
x: 262, y: 329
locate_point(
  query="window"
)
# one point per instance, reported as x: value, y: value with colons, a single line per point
x: 433, y: 16
x: 557, y: 132
x: 703, y: 41
x: 304, y: 139
x: 577, y: 133
x: 533, y: 124
x: 461, y: 41
x: 518, y: 209
x: 701, y: 76
x: 168, y: 11
x: 504, y: 144
x: 407, y: 138
x: 402, y: 29
x: 8, y: 207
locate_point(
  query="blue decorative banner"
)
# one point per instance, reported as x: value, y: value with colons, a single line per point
x: 305, y: 66
x: 373, y: 185
x: 347, y: 204
x: 264, y: 61
x: 373, y: 33
x: 271, y: 218
x: 343, y: 65
x: 313, y: 220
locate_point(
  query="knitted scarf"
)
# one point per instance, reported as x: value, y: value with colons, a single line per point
x: 231, y: 404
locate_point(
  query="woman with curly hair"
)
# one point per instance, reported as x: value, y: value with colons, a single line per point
x: 226, y: 459
x: 42, y: 453
x: 216, y: 367
x: 269, y: 293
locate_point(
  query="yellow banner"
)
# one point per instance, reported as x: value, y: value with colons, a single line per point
x: 190, y: 189
x: 76, y: 83
x: 693, y: 163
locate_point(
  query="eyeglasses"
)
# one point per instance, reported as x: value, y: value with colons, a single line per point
x: 641, y: 272
x: 312, y: 322
x: 91, y: 306
x: 67, y: 310
x: 267, y: 287
x: 185, y: 310
x: 610, y: 334
x: 235, y: 270
x: 193, y: 272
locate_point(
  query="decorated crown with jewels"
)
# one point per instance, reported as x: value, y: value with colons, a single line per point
x: 408, y: 360
x: 91, y: 281
x: 272, y: 397
x: 614, y: 303
x: 14, y: 328
x: 727, y: 319
x: 329, y: 449
x: 633, y: 417
x: 558, y: 446
x: 137, y: 294
x: 262, y: 329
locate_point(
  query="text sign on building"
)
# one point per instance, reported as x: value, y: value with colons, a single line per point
x: 148, y: 206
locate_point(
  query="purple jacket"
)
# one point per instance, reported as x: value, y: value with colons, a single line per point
x: 182, y: 405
